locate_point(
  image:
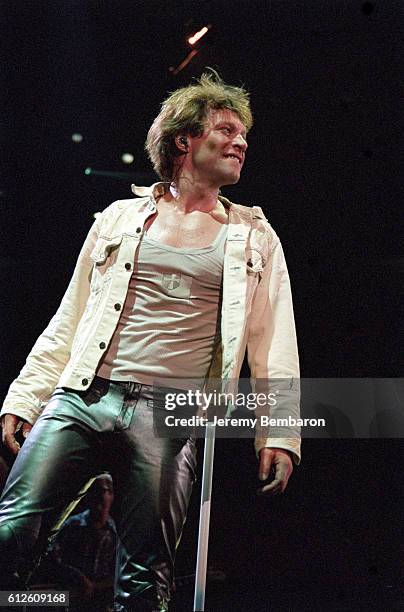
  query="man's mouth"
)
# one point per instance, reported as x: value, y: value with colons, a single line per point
x: 233, y: 156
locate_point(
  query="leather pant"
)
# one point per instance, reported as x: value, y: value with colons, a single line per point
x: 108, y: 427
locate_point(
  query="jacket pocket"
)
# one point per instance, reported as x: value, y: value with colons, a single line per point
x: 254, y: 262
x: 103, y: 249
x: 254, y: 269
x: 104, y: 257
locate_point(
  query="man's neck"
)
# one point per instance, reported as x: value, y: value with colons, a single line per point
x: 189, y: 194
x: 99, y: 520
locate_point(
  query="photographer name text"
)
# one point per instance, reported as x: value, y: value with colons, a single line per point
x: 262, y: 421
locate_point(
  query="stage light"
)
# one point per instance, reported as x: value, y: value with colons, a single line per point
x: 88, y: 171
x: 198, y: 35
x: 184, y: 62
x: 127, y: 158
x: 76, y: 137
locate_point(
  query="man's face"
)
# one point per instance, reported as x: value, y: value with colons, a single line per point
x: 217, y: 156
x: 102, y: 496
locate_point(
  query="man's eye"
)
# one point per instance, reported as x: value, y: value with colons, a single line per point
x: 226, y: 129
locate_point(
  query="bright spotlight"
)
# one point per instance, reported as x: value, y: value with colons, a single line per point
x: 127, y: 158
x: 198, y: 35
x: 76, y: 137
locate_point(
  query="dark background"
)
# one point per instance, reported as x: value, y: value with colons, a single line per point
x: 323, y: 163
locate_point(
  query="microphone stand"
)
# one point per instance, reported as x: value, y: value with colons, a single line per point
x: 204, y: 519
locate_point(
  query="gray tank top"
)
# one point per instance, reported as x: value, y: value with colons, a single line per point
x: 170, y: 322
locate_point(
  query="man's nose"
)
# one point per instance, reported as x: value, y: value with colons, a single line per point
x: 240, y: 142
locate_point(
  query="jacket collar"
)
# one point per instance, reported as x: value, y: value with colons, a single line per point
x: 158, y: 189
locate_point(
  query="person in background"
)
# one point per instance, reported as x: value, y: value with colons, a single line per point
x: 82, y: 557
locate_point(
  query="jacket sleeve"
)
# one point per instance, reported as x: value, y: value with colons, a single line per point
x: 51, y: 352
x: 273, y: 355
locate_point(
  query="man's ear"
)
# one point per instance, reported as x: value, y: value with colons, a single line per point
x: 182, y: 143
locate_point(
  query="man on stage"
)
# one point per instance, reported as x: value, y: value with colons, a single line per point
x: 175, y: 284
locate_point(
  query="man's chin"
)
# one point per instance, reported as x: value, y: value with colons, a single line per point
x: 230, y: 180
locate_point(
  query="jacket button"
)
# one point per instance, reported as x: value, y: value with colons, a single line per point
x: 117, y: 306
x: 102, y: 345
x: 84, y: 381
x: 138, y: 230
x: 128, y: 266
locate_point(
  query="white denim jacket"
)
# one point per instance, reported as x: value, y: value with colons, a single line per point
x: 257, y: 312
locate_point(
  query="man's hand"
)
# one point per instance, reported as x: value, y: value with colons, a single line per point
x: 280, y: 463
x: 9, y: 423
